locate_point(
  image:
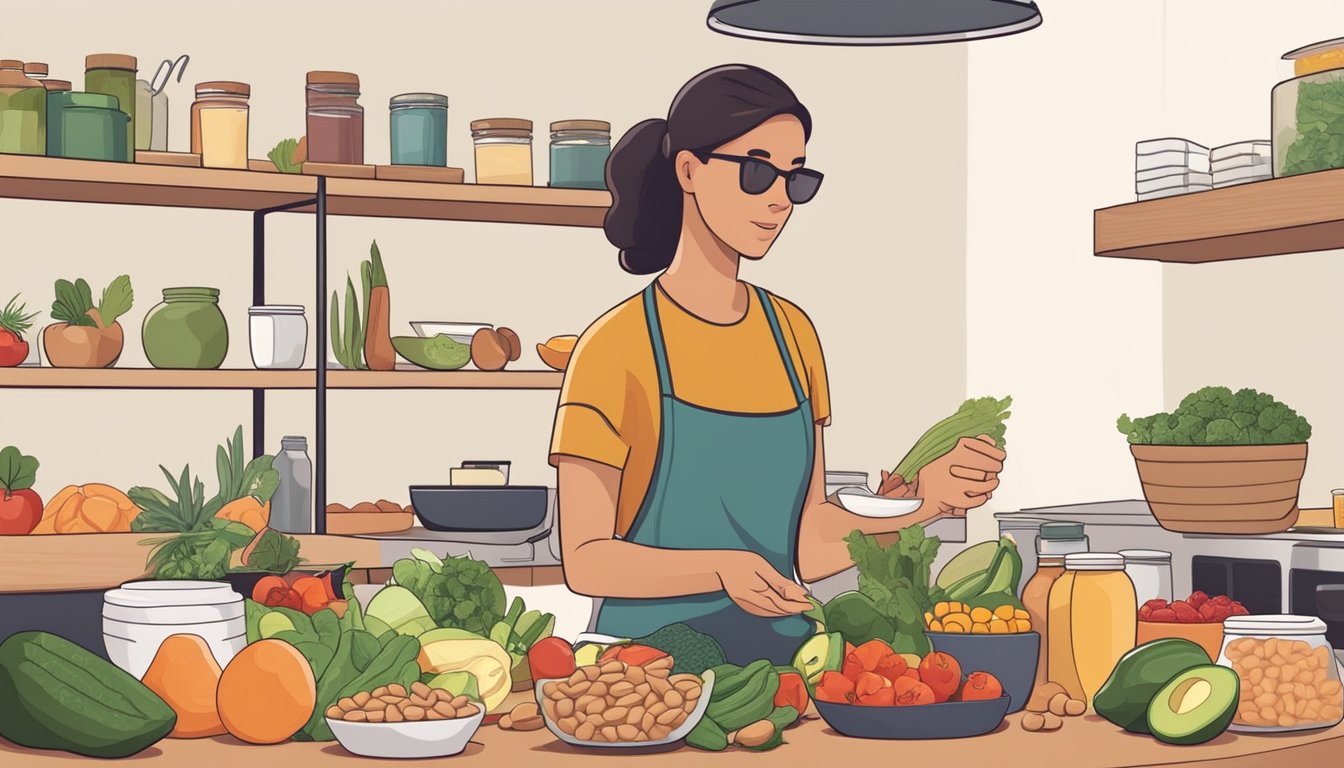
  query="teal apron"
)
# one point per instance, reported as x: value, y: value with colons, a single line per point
x: 731, y: 481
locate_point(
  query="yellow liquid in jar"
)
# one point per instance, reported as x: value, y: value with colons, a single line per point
x: 224, y: 137
x: 1339, y: 509
x: 504, y: 164
x: 1092, y: 624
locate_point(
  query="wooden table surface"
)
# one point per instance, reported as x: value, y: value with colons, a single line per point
x: 1087, y: 742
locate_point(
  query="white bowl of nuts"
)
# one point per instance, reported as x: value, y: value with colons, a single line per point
x: 391, y: 722
x: 614, y: 704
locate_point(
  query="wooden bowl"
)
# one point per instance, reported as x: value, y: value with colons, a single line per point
x: 1241, y: 489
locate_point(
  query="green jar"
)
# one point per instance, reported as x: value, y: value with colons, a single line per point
x: 88, y: 126
x: 114, y: 74
x: 187, y: 330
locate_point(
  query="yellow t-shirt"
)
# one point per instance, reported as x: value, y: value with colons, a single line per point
x: 608, y: 409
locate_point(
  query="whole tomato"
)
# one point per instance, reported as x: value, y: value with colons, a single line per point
x: 550, y: 658
x: 20, y: 512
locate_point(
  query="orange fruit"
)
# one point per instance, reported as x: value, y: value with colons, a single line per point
x: 267, y: 693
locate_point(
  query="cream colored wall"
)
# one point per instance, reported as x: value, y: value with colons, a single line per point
x: 1272, y: 324
x: 878, y: 260
x: 1075, y: 340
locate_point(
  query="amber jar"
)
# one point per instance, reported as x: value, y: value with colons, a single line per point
x: 219, y: 118
x: 335, y: 120
x: 1036, y: 600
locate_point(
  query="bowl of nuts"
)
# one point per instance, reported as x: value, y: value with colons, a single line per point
x: 615, y: 704
x: 392, y: 722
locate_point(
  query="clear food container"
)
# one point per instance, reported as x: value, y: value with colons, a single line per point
x: 1288, y: 672
x: 1308, y: 111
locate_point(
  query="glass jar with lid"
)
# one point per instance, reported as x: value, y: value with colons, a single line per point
x: 1307, y: 111
x: 579, y: 152
x: 419, y: 123
x: 1061, y: 538
x: 56, y: 85
x: 1091, y: 623
x: 114, y: 74
x: 503, y: 149
x: 1150, y: 570
x: 219, y: 119
x: 187, y: 330
x: 35, y: 69
x: 334, y: 117
x: 23, y: 111
x: 87, y: 126
x: 1288, y: 672
x: 1036, y: 601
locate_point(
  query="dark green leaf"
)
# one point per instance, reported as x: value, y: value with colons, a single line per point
x: 275, y: 553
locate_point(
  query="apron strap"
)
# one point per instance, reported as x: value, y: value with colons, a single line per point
x: 775, y: 329
x: 656, y: 338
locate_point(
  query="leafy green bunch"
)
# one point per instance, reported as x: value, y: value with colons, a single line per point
x: 457, y: 591
x: 74, y: 302
x: 1219, y: 416
x: 977, y: 416
x: 1319, y: 144
x: 897, y: 579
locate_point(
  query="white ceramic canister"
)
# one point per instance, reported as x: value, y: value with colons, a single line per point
x: 138, y: 616
x: 278, y: 335
x: 1150, y: 570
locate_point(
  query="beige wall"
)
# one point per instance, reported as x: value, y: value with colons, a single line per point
x: 878, y: 260
x: 1272, y: 324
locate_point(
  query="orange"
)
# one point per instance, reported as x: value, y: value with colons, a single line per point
x: 267, y: 693
x: 184, y: 674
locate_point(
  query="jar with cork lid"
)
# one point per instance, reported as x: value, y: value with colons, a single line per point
x: 36, y: 70
x: 579, y: 152
x: 219, y: 119
x: 335, y: 119
x: 23, y: 111
x: 503, y: 148
x: 113, y: 74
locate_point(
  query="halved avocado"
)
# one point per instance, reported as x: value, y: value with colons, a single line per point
x: 1195, y: 706
x: 820, y: 653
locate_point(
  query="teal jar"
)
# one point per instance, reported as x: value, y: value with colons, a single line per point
x: 187, y: 330
x: 88, y: 126
x: 579, y: 152
x: 419, y: 129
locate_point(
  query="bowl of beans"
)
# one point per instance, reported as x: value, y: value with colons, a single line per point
x: 1287, y: 684
x: 393, y: 722
x: 614, y: 704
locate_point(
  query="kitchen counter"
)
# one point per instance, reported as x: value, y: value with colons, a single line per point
x: 1082, y: 743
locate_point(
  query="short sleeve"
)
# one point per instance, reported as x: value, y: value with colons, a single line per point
x: 589, y: 418
x: 814, y: 362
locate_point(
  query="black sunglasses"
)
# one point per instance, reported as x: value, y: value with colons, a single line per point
x: 758, y: 176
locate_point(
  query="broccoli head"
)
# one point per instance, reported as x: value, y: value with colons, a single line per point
x: 1218, y: 416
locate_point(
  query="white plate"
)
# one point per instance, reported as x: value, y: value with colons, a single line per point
x: 423, y: 738
x: 430, y: 328
x: 869, y: 505
x: 692, y: 720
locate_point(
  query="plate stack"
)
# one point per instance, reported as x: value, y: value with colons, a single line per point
x: 1166, y: 167
x: 1241, y: 163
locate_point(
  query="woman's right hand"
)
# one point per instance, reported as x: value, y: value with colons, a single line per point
x: 758, y: 588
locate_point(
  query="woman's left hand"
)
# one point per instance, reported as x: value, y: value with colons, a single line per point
x: 963, y: 478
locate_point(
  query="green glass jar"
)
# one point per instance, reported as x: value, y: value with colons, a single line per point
x: 187, y: 330
x: 23, y: 111
x: 114, y: 74
x: 88, y: 126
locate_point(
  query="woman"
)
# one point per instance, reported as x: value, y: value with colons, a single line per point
x: 688, y: 437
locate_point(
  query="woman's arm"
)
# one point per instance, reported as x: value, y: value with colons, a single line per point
x: 961, y: 479
x: 598, y: 564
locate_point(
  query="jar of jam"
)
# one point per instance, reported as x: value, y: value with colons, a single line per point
x: 335, y: 119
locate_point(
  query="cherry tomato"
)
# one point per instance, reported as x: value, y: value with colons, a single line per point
x: 265, y: 585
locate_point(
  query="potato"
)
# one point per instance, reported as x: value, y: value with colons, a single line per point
x: 1033, y: 721
x: 1041, y: 696
x: 490, y: 351
x: 1058, y: 704
x: 1052, y: 722
x: 756, y: 734
x: 1075, y: 707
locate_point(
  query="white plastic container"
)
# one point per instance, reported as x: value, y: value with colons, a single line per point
x: 1150, y: 570
x: 1255, y: 645
x: 278, y: 335
x: 140, y: 615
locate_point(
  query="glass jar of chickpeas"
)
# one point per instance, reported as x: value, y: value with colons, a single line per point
x: 1288, y: 672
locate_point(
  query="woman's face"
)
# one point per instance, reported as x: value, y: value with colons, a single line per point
x: 746, y: 223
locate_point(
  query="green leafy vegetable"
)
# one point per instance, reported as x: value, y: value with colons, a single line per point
x: 275, y: 552
x: 347, y: 342
x: 1319, y: 145
x: 896, y: 578
x: 17, y: 471
x: 16, y: 319
x: 73, y: 302
x: 116, y: 301
x: 978, y: 416
x: 198, y: 555
x: 282, y: 156
x: 1219, y: 416
x: 458, y: 591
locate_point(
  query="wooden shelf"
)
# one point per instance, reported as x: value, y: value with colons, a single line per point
x: 1267, y: 218
x: 420, y: 379
x: 466, y: 202
x: 153, y: 378
x: 88, y: 181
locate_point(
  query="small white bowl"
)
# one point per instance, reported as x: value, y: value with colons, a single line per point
x: 867, y: 504
x: 692, y: 720
x: 461, y: 332
x: 420, y: 739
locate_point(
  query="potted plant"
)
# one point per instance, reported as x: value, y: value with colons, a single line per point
x: 85, y: 335
x: 1222, y: 462
x: 13, y: 324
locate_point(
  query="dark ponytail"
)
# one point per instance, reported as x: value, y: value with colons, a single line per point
x: 715, y: 107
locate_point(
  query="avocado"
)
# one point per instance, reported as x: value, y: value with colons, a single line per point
x: 1124, y: 698
x: 1196, y: 706
x: 820, y: 653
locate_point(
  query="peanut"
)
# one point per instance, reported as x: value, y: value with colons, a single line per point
x: 1033, y: 721
x: 1052, y: 722
x: 357, y: 716
x: 1057, y: 704
x: 414, y: 713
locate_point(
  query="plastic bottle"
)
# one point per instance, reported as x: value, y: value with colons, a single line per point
x: 291, y: 506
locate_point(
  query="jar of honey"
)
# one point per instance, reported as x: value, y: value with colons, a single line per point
x: 219, y: 119
x: 503, y: 151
